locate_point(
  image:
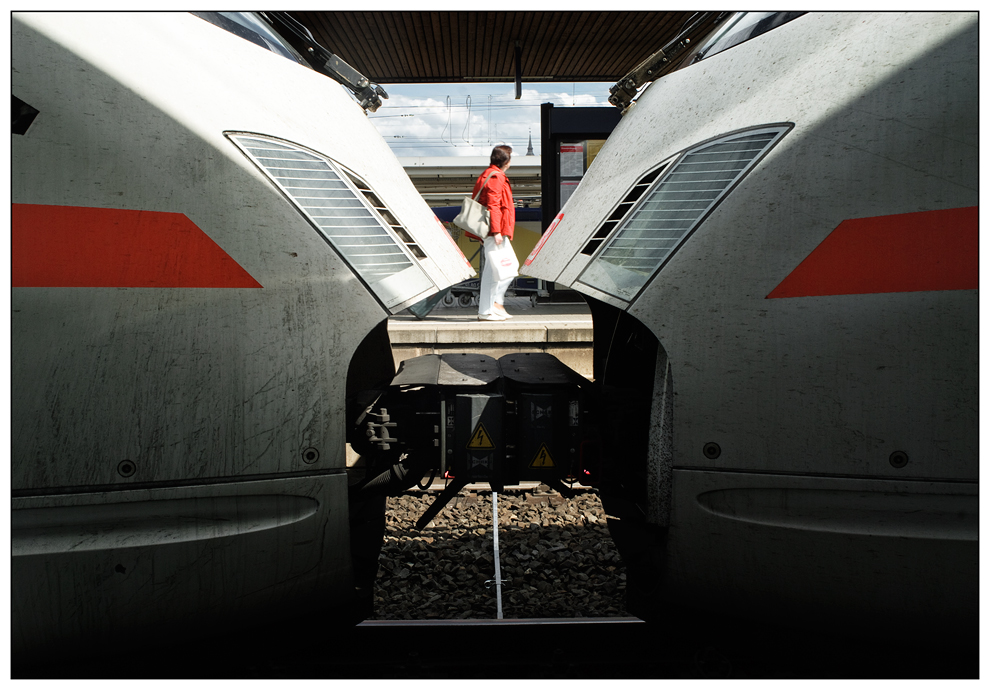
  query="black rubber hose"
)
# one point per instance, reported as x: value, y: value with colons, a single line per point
x: 392, y: 481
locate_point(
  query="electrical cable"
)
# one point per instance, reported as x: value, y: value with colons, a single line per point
x: 467, y: 123
x: 448, y: 122
x: 433, y: 475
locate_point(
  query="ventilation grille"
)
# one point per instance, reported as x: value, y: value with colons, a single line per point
x: 386, y: 215
x: 652, y: 226
x: 621, y: 211
x: 346, y: 211
x: 342, y: 217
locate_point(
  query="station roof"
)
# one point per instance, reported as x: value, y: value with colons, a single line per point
x: 443, y: 47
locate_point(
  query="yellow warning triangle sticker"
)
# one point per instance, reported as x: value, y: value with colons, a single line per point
x: 542, y: 458
x: 480, y: 439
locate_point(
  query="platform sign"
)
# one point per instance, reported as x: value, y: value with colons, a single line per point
x: 572, y: 160
x: 567, y: 188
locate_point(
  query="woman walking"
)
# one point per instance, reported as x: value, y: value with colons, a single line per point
x: 497, y: 196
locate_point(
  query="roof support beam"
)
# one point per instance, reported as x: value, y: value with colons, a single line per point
x: 518, y: 70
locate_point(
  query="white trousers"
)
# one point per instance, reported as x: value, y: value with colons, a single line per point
x: 492, y: 289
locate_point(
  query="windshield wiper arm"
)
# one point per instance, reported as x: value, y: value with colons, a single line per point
x: 625, y: 90
x: 369, y: 95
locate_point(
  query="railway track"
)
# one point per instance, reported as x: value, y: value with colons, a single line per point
x: 557, y: 559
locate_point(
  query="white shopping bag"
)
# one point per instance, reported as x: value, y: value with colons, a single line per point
x: 504, y: 258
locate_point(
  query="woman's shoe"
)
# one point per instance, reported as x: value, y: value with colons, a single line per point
x: 494, y: 316
x: 502, y: 312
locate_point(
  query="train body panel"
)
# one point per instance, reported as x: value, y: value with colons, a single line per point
x: 808, y: 341
x: 184, y: 322
x: 145, y: 565
x: 131, y: 94
x: 197, y: 381
x: 868, y: 61
x: 827, y: 553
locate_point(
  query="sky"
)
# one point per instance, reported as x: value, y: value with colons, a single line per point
x: 469, y: 119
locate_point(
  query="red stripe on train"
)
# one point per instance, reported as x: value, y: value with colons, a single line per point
x: 907, y: 252
x: 73, y: 246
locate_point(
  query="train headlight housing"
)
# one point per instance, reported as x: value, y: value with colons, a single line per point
x: 347, y: 213
x: 647, y: 234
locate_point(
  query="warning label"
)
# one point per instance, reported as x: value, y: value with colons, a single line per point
x: 480, y: 440
x: 542, y: 459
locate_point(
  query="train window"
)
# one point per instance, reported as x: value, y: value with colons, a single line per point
x: 251, y: 28
x: 739, y: 28
x: 347, y: 213
x: 674, y: 206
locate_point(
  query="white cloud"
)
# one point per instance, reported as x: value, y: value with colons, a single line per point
x: 469, y: 124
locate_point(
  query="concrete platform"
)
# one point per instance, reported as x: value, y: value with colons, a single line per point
x: 562, y: 329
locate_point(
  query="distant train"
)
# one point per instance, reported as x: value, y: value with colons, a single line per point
x: 779, y: 244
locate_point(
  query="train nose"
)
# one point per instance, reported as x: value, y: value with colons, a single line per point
x: 188, y: 297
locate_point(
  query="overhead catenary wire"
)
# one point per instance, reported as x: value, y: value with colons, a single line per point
x: 467, y: 122
x: 448, y: 119
x: 411, y: 128
x: 501, y: 101
x: 439, y: 108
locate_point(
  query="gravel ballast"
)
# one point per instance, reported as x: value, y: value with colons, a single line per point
x: 557, y: 558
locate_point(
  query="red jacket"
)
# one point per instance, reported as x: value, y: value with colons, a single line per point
x: 497, y: 196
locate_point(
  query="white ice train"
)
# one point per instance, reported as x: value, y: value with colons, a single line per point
x: 779, y: 244
x: 204, y: 233
x: 208, y: 238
